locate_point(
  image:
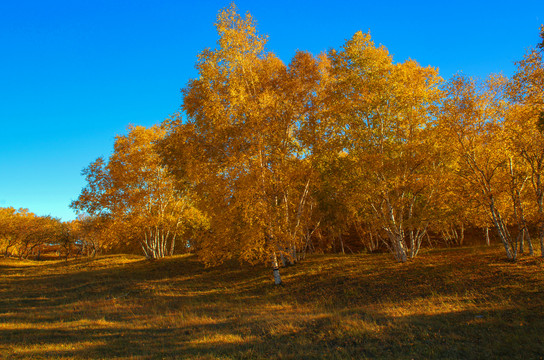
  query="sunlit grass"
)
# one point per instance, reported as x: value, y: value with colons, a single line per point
x: 453, y: 303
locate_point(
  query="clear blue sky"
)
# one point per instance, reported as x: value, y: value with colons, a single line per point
x: 73, y: 74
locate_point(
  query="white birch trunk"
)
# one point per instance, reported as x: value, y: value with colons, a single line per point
x: 276, y: 270
x: 501, y: 230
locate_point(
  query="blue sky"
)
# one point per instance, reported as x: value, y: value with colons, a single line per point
x: 73, y: 74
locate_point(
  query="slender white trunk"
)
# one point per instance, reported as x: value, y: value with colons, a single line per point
x: 503, y: 234
x: 401, y: 250
x: 397, y: 245
x: 275, y: 269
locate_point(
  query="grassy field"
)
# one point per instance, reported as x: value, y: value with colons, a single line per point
x: 466, y: 303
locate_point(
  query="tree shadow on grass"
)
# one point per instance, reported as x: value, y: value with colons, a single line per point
x: 327, y: 308
x: 461, y: 335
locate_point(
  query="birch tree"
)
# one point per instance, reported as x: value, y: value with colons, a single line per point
x: 472, y: 119
x: 251, y: 171
x: 138, y: 194
x: 380, y: 115
x: 525, y: 123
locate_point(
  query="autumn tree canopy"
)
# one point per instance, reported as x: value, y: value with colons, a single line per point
x: 136, y: 196
x: 266, y: 160
x: 23, y: 233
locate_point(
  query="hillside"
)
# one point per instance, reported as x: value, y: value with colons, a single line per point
x: 465, y: 303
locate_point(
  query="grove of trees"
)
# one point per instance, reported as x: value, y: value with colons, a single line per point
x: 24, y: 234
x: 268, y: 161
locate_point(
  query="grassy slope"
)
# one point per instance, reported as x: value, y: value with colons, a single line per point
x: 457, y: 303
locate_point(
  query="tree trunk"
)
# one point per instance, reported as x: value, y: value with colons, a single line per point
x: 275, y: 269
x: 537, y: 184
x: 294, y: 255
x: 412, y: 244
x: 401, y: 251
x: 541, y: 225
x: 522, y: 241
x: 529, y: 242
x: 172, y: 245
x: 397, y: 244
x: 542, y: 240
x: 503, y: 233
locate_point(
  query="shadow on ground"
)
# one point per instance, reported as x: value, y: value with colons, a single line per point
x: 464, y: 303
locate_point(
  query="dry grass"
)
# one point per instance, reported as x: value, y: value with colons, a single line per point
x: 464, y: 303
